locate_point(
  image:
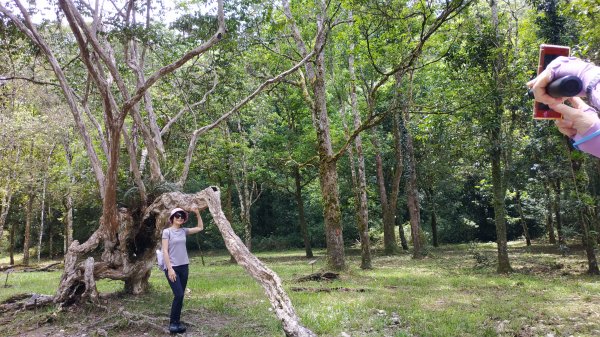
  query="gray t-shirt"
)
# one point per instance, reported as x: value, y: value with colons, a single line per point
x: 177, y: 250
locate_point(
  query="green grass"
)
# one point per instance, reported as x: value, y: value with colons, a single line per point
x: 441, y: 295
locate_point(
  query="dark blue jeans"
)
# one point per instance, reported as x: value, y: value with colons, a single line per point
x: 178, y: 288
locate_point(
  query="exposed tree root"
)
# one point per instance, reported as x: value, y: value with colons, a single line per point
x: 25, y: 302
x: 124, y: 318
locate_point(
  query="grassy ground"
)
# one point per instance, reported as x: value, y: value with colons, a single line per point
x: 448, y: 293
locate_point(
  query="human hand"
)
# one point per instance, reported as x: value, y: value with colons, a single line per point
x: 577, y: 118
x: 538, y: 87
x: 172, y: 275
x: 560, y: 67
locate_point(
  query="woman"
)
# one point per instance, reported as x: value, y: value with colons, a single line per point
x: 176, y: 261
x: 580, y: 121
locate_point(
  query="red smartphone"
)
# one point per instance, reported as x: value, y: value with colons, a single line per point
x: 548, y: 52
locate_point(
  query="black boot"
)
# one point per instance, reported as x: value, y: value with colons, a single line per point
x: 177, y: 328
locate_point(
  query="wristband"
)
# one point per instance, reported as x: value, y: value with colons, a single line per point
x: 585, y: 139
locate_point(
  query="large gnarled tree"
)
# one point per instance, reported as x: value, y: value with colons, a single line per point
x: 122, y: 83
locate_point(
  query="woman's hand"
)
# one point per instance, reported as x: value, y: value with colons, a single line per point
x: 538, y: 87
x: 560, y: 67
x: 172, y: 275
x: 577, y: 118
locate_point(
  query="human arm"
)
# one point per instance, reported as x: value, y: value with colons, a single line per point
x: 165, y: 250
x: 200, y: 226
x: 580, y: 122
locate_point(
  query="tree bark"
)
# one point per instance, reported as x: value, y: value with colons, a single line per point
x: 557, y: 206
x: 29, y: 210
x: 301, y: 215
x: 434, y: 230
x: 43, y: 214
x: 328, y: 176
x: 389, y: 201
x: 11, y: 252
x: 549, y: 210
x: 401, y: 234
x: 412, y: 194
x: 269, y: 280
x: 6, y: 202
x: 523, y: 222
x: 499, y: 218
x: 42, y: 221
x: 68, y: 219
x: 144, y: 233
x: 390, y: 245
x: 27, y: 235
x: 583, y: 209
x: 432, y: 207
x: 361, y: 188
x: 496, y: 153
x: 50, y: 234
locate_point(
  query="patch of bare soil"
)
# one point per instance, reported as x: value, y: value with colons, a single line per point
x: 325, y: 276
x: 327, y: 290
x: 109, y: 319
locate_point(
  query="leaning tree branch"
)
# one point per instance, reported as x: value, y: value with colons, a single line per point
x: 258, y: 90
x: 370, y: 122
x: 426, y: 32
x: 189, y: 107
x: 271, y: 283
x: 32, y: 80
x: 78, y: 21
x: 204, y: 129
x: 221, y: 30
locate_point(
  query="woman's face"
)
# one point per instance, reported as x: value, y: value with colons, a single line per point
x: 178, y: 218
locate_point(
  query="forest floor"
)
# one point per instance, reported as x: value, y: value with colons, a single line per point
x: 454, y: 291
